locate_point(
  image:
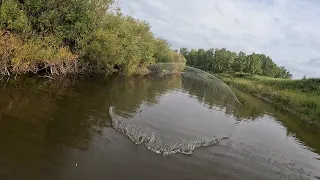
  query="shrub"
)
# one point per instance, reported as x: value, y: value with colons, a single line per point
x: 8, y: 46
x: 38, y: 54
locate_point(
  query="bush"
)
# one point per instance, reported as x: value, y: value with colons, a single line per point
x: 8, y: 46
x: 37, y: 54
x: 17, y: 56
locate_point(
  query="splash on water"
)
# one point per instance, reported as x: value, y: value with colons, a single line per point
x: 154, y: 140
x: 142, y: 133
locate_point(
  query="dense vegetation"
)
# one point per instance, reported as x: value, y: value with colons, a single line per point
x: 71, y: 36
x: 222, y: 60
x: 299, y: 96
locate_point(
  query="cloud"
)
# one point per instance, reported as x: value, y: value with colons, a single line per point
x: 286, y: 30
x: 309, y: 68
x: 314, y: 62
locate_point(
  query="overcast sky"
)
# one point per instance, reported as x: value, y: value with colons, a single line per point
x: 286, y: 30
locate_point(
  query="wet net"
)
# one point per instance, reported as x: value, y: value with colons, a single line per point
x: 155, y: 131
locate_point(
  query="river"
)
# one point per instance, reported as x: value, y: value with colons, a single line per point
x: 62, y: 129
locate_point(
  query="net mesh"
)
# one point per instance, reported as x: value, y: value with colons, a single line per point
x: 157, y: 138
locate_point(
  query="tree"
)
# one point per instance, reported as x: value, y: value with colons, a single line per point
x: 269, y: 67
x: 240, y: 62
x: 223, y: 60
x: 255, y: 64
x: 184, y: 51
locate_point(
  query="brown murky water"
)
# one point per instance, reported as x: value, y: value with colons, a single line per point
x: 62, y: 130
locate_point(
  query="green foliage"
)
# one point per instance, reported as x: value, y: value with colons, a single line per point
x: 121, y: 41
x: 92, y: 35
x: 12, y: 17
x: 240, y: 62
x: 163, y: 53
x: 255, y: 63
x: 69, y: 21
x: 222, y: 60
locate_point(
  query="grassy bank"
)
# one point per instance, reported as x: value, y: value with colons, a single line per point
x: 301, y: 97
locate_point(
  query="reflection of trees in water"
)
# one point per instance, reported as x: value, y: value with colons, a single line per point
x: 17, y: 95
x: 217, y: 97
x: 129, y: 93
x: 251, y: 108
x: 254, y: 107
x: 38, y: 115
x: 212, y: 95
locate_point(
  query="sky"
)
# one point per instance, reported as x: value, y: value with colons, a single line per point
x: 286, y: 30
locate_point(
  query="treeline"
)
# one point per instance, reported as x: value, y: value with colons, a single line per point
x: 222, y: 60
x: 75, y: 36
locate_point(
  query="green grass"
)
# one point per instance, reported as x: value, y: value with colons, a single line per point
x: 299, y: 96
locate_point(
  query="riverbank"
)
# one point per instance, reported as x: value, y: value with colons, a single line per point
x: 301, y: 97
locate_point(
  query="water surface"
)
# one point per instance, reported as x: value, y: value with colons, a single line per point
x: 61, y: 129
